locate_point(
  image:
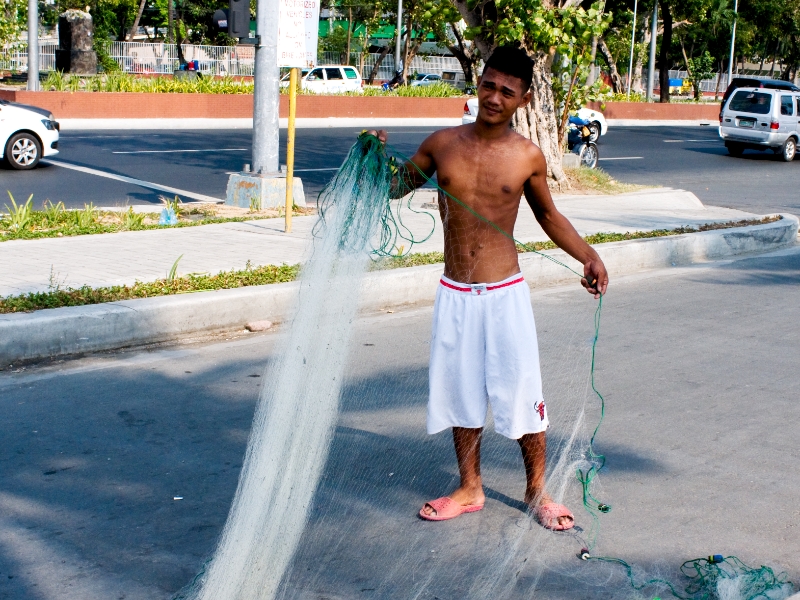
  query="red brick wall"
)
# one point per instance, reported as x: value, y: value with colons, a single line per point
x: 124, y: 105
x: 658, y: 111
x: 96, y: 105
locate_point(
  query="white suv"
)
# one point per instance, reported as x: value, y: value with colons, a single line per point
x: 329, y: 79
x: 26, y: 134
x: 761, y: 119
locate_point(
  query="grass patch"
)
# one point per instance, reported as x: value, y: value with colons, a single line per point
x: 172, y: 284
x: 583, y: 179
x: 23, y: 222
x: 57, y: 298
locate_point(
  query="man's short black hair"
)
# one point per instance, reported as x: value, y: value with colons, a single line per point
x: 512, y: 61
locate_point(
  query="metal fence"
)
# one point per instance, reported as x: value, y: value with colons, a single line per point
x: 14, y: 57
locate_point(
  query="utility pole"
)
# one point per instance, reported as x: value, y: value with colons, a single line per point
x: 651, y: 69
x: 33, y: 46
x: 633, y: 38
x: 266, y: 95
x: 399, y: 32
x: 733, y: 41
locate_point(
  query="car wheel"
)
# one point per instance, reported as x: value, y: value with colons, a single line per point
x: 589, y: 156
x: 594, y: 131
x: 23, y: 151
x: 789, y: 150
x: 735, y: 149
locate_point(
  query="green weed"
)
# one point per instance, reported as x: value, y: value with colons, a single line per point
x: 131, y: 220
x: 173, y: 270
x: 53, y: 213
x: 19, y: 215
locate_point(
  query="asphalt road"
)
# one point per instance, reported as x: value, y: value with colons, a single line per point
x: 199, y: 161
x: 118, y: 470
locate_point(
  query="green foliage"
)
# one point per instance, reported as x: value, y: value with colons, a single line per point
x: 699, y: 68
x: 86, y: 295
x: 124, y: 82
x: 132, y: 221
x: 19, y: 215
x: 13, y: 19
x: 436, y: 90
x: 23, y: 222
x: 335, y: 41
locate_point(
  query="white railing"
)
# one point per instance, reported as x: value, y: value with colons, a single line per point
x: 14, y: 57
x: 161, y: 58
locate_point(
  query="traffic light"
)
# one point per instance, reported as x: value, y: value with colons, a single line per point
x: 239, y: 18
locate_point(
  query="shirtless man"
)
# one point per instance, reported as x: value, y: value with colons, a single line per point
x: 484, y: 348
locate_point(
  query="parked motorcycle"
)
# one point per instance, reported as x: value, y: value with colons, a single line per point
x: 579, y: 141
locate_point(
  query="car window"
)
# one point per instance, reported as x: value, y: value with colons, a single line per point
x: 786, y: 105
x: 434, y: 77
x: 333, y: 73
x: 314, y: 75
x: 420, y: 77
x: 797, y: 98
x: 756, y: 103
x: 351, y: 73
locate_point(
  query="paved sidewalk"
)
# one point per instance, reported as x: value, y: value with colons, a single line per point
x: 123, y: 258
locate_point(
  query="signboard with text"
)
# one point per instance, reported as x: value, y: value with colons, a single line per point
x: 298, y: 28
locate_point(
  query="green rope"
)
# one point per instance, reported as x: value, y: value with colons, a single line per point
x: 707, y: 575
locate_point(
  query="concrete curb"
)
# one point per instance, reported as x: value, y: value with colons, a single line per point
x: 75, y: 330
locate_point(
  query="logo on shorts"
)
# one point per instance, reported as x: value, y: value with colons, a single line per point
x: 540, y: 410
x: 478, y: 288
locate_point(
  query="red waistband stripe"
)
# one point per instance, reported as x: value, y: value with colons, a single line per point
x: 488, y: 287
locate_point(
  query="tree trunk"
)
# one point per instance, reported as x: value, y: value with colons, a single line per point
x: 136, y: 20
x: 537, y: 121
x: 466, y: 57
x: 591, y: 78
x: 170, y: 24
x: 616, y: 81
x: 377, y: 64
x: 666, y: 45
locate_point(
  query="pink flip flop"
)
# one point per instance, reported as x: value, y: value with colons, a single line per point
x: 446, y: 508
x: 547, y: 516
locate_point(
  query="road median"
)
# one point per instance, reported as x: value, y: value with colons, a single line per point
x: 83, y: 329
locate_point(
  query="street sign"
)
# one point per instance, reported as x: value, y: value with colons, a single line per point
x: 298, y: 28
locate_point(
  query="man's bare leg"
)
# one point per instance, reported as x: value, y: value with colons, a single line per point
x: 534, y: 447
x: 467, y: 443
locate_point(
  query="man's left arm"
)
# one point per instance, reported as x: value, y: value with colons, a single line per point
x: 560, y: 230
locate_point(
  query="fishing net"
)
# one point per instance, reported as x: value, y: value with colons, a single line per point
x: 337, y: 462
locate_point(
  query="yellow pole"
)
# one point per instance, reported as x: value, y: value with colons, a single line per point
x: 290, y: 148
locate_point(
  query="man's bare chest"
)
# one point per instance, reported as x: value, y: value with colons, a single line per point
x: 497, y: 175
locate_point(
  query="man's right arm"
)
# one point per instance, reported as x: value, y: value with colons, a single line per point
x: 416, y: 171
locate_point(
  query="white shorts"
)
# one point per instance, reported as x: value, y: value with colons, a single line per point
x: 484, y: 350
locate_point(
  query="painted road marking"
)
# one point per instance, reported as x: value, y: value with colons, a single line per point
x: 172, y: 151
x: 676, y: 141
x: 139, y: 182
x: 622, y: 158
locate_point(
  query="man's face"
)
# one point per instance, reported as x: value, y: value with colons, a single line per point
x: 499, y: 96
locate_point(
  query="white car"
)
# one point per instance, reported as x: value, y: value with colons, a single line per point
x: 597, y: 122
x: 329, y: 79
x: 27, y: 133
x: 425, y: 79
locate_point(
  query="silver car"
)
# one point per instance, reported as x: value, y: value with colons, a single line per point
x: 761, y: 119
